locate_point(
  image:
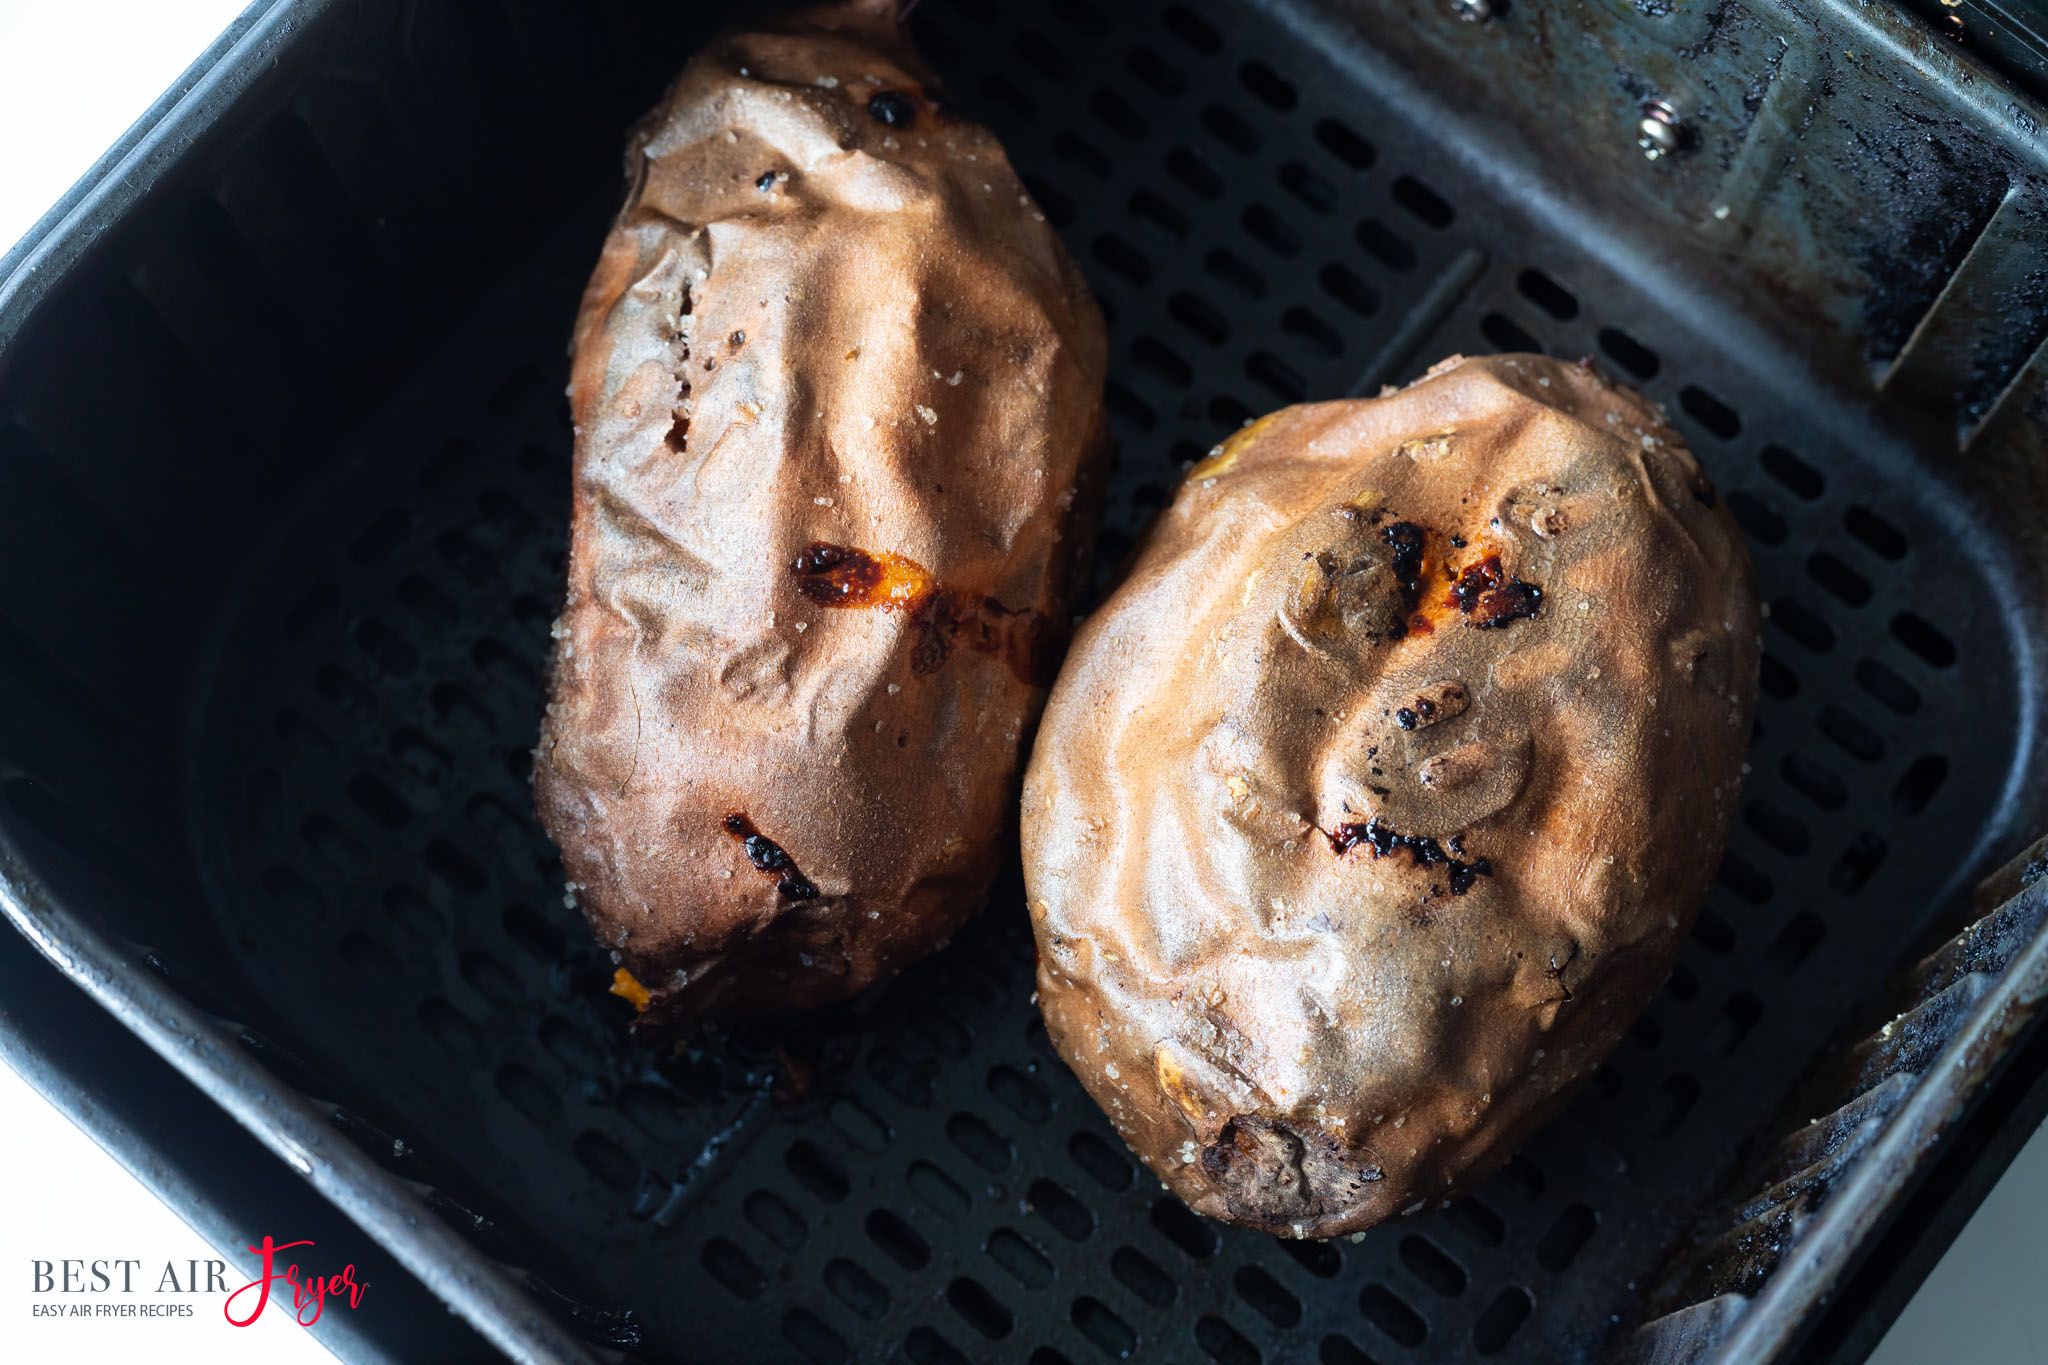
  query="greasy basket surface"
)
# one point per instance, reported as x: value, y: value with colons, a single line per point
x: 1260, y: 228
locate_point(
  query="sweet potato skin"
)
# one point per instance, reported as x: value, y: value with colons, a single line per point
x: 837, y: 396
x: 1381, y: 795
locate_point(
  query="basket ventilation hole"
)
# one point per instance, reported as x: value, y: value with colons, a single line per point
x: 1891, y: 690
x: 1192, y: 29
x: 938, y: 1190
x: 817, y: 1171
x: 1734, y: 1022
x: 1424, y: 202
x: 983, y: 1311
x: 1432, y: 1267
x: 1103, y: 1327
x: 1385, y: 245
x: 927, y: 1347
x: 1565, y: 1237
x: 1880, y: 536
x: 1156, y: 72
x: 1675, y: 1099
x: 1224, y: 1343
x: 1794, y: 473
x: 1068, y: 1215
x: 449, y: 1027
x: 774, y: 1219
x: 1140, y: 1274
x: 1085, y: 155
x: 1713, y: 933
x: 1850, y: 735
x: 1801, y: 623
x: 1027, y: 1265
x: 1320, y: 1259
x: 1385, y: 1311
x: 1816, y: 783
x: 1100, y: 1160
x: 1757, y: 518
x: 898, y: 1240
x: 808, y: 1333
x: 732, y: 1268
x: 1547, y: 294
x: 1920, y: 783
x: 1625, y: 351
x: 1504, y: 334
x: 1796, y: 942
x: 1841, y: 581
x: 1337, y: 1350
x: 1782, y: 831
x: 1085, y: 19
x: 1347, y: 289
x: 1924, y: 640
x: 1236, y: 272
x: 1272, y: 89
x: 984, y: 1146
x: 1181, y: 1227
x: 1161, y: 213
x: 856, y: 1289
x: 1858, y: 861
x: 1230, y: 130
x: 1776, y: 680
x: 1745, y: 880
x: 1316, y: 193
x: 1272, y: 231
x: 1476, y: 1223
x: 1267, y: 1296
x: 1343, y: 142
x: 1710, y: 412
x: 1508, y: 1311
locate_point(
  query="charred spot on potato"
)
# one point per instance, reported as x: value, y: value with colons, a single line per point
x: 766, y: 182
x: 768, y: 856
x: 1274, y: 1175
x: 942, y: 618
x: 1408, y: 542
x: 841, y: 576
x: 1422, y: 851
x: 1259, y: 1163
x: 892, y: 110
x: 1489, y: 599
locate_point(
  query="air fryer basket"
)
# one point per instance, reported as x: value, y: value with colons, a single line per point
x: 284, y: 460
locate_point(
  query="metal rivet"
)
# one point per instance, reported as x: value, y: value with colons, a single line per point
x: 1474, y: 11
x: 1662, y: 132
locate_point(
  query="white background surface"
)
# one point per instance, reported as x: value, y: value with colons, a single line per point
x: 73, y: 75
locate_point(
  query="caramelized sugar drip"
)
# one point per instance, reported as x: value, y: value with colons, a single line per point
x: 1489, y: 598
x: 764, y: 853
x: 1422, y: 851
x: 943, y: 617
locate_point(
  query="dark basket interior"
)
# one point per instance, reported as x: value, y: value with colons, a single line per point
x: 282, y: 495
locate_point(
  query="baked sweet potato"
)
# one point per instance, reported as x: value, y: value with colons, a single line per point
x: 1381, y: 795
x: 837, y: 394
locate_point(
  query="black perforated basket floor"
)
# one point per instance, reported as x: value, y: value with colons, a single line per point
x: 1260, y: 230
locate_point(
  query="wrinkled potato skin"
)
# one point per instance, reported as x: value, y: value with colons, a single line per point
x: 1307, y: 1038
x: 809, y: 326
